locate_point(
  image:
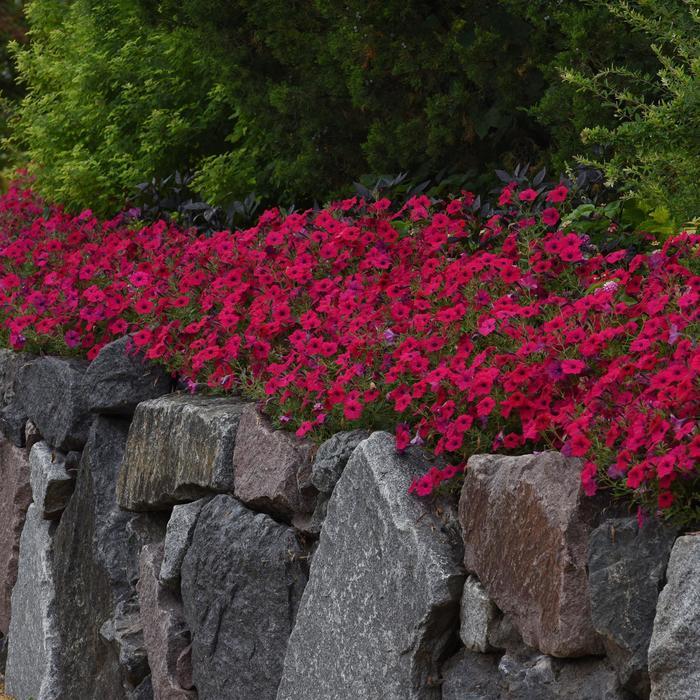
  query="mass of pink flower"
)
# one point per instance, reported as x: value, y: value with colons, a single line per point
x: 465, y: 335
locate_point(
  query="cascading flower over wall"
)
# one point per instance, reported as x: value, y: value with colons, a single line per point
x: 467, y: 335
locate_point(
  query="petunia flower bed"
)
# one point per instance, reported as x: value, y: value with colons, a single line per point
x: 507, y: 334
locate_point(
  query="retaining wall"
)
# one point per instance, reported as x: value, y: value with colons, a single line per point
x: 155, y: 543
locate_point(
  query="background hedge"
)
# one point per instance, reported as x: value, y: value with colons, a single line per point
x: 295, y: 100
x: 12, y: 29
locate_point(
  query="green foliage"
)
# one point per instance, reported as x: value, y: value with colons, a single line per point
x: 296, y: 100
x: 586, y: 38
x: 12, y: 28
x: 110, y: 100
x: 653, y: 150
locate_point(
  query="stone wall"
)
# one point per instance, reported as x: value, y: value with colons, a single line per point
x: 156, y: 544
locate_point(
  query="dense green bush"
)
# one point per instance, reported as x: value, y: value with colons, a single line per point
x: 296, y: 99
x: 109, y: 101
x: 653, y: 152
x: 12, y: 28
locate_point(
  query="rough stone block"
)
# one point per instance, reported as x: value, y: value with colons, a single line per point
x: 272, y: 468
x: 332, y: 457
x: 121, y: 640
x: 13, y: 421
x: 51, y: 391
x: 31, y: 436
x: 242, y: 579
x: 526, y: 524
x: 164, y: 628
x: 178, y: 538
x: 35, y: 650
x: 477, y: 616
x: 15, y: 497
x: 541, y: 677
x: 382, y: 604
x: 472, y: 676
x: 528, y: 676
x: 626, y: 568
x: 674, y: 651
x: 119, y: 379
x: 13, y: 417
x: 180, y: 448
x: 97, y: 548
x: 330, y: 460
x: 52, y: 485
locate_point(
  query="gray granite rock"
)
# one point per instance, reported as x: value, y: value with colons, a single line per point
x: 119, y: 379
x: 118, y: 535
x: 52, y: 485
x: 328, y: 465
x: 626, y: 567
x: 35, y: 649
x: 472, y: 676
x: 242, y: 579
x: 178, y: 538
x: 310, y: 524
x: 97, y: 548
x: 478, y: 614
x: 123, y: 636
x: 10, y: 362
x: 143, y: 529
x: 13, y: 417
x: 526, y: 524
x: 332, y: 457
x: 527, y: 675
x: 50, y: 389
x: 674, y: 651
x: 164, y: 627
x: 272, y: 468
x: 180, y: 448
x: 382, y: 604
x: 15, y: 497
x: 13, y: 421
x: 533, y: 676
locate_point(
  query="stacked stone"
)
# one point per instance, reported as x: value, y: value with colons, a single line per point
x: 380, y: 610
x: 167, y: 545
x: 560, y: 601
x: 219, y: 596
x: 68, y: 553
x: 142, y: 571
x: 15, y: 488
